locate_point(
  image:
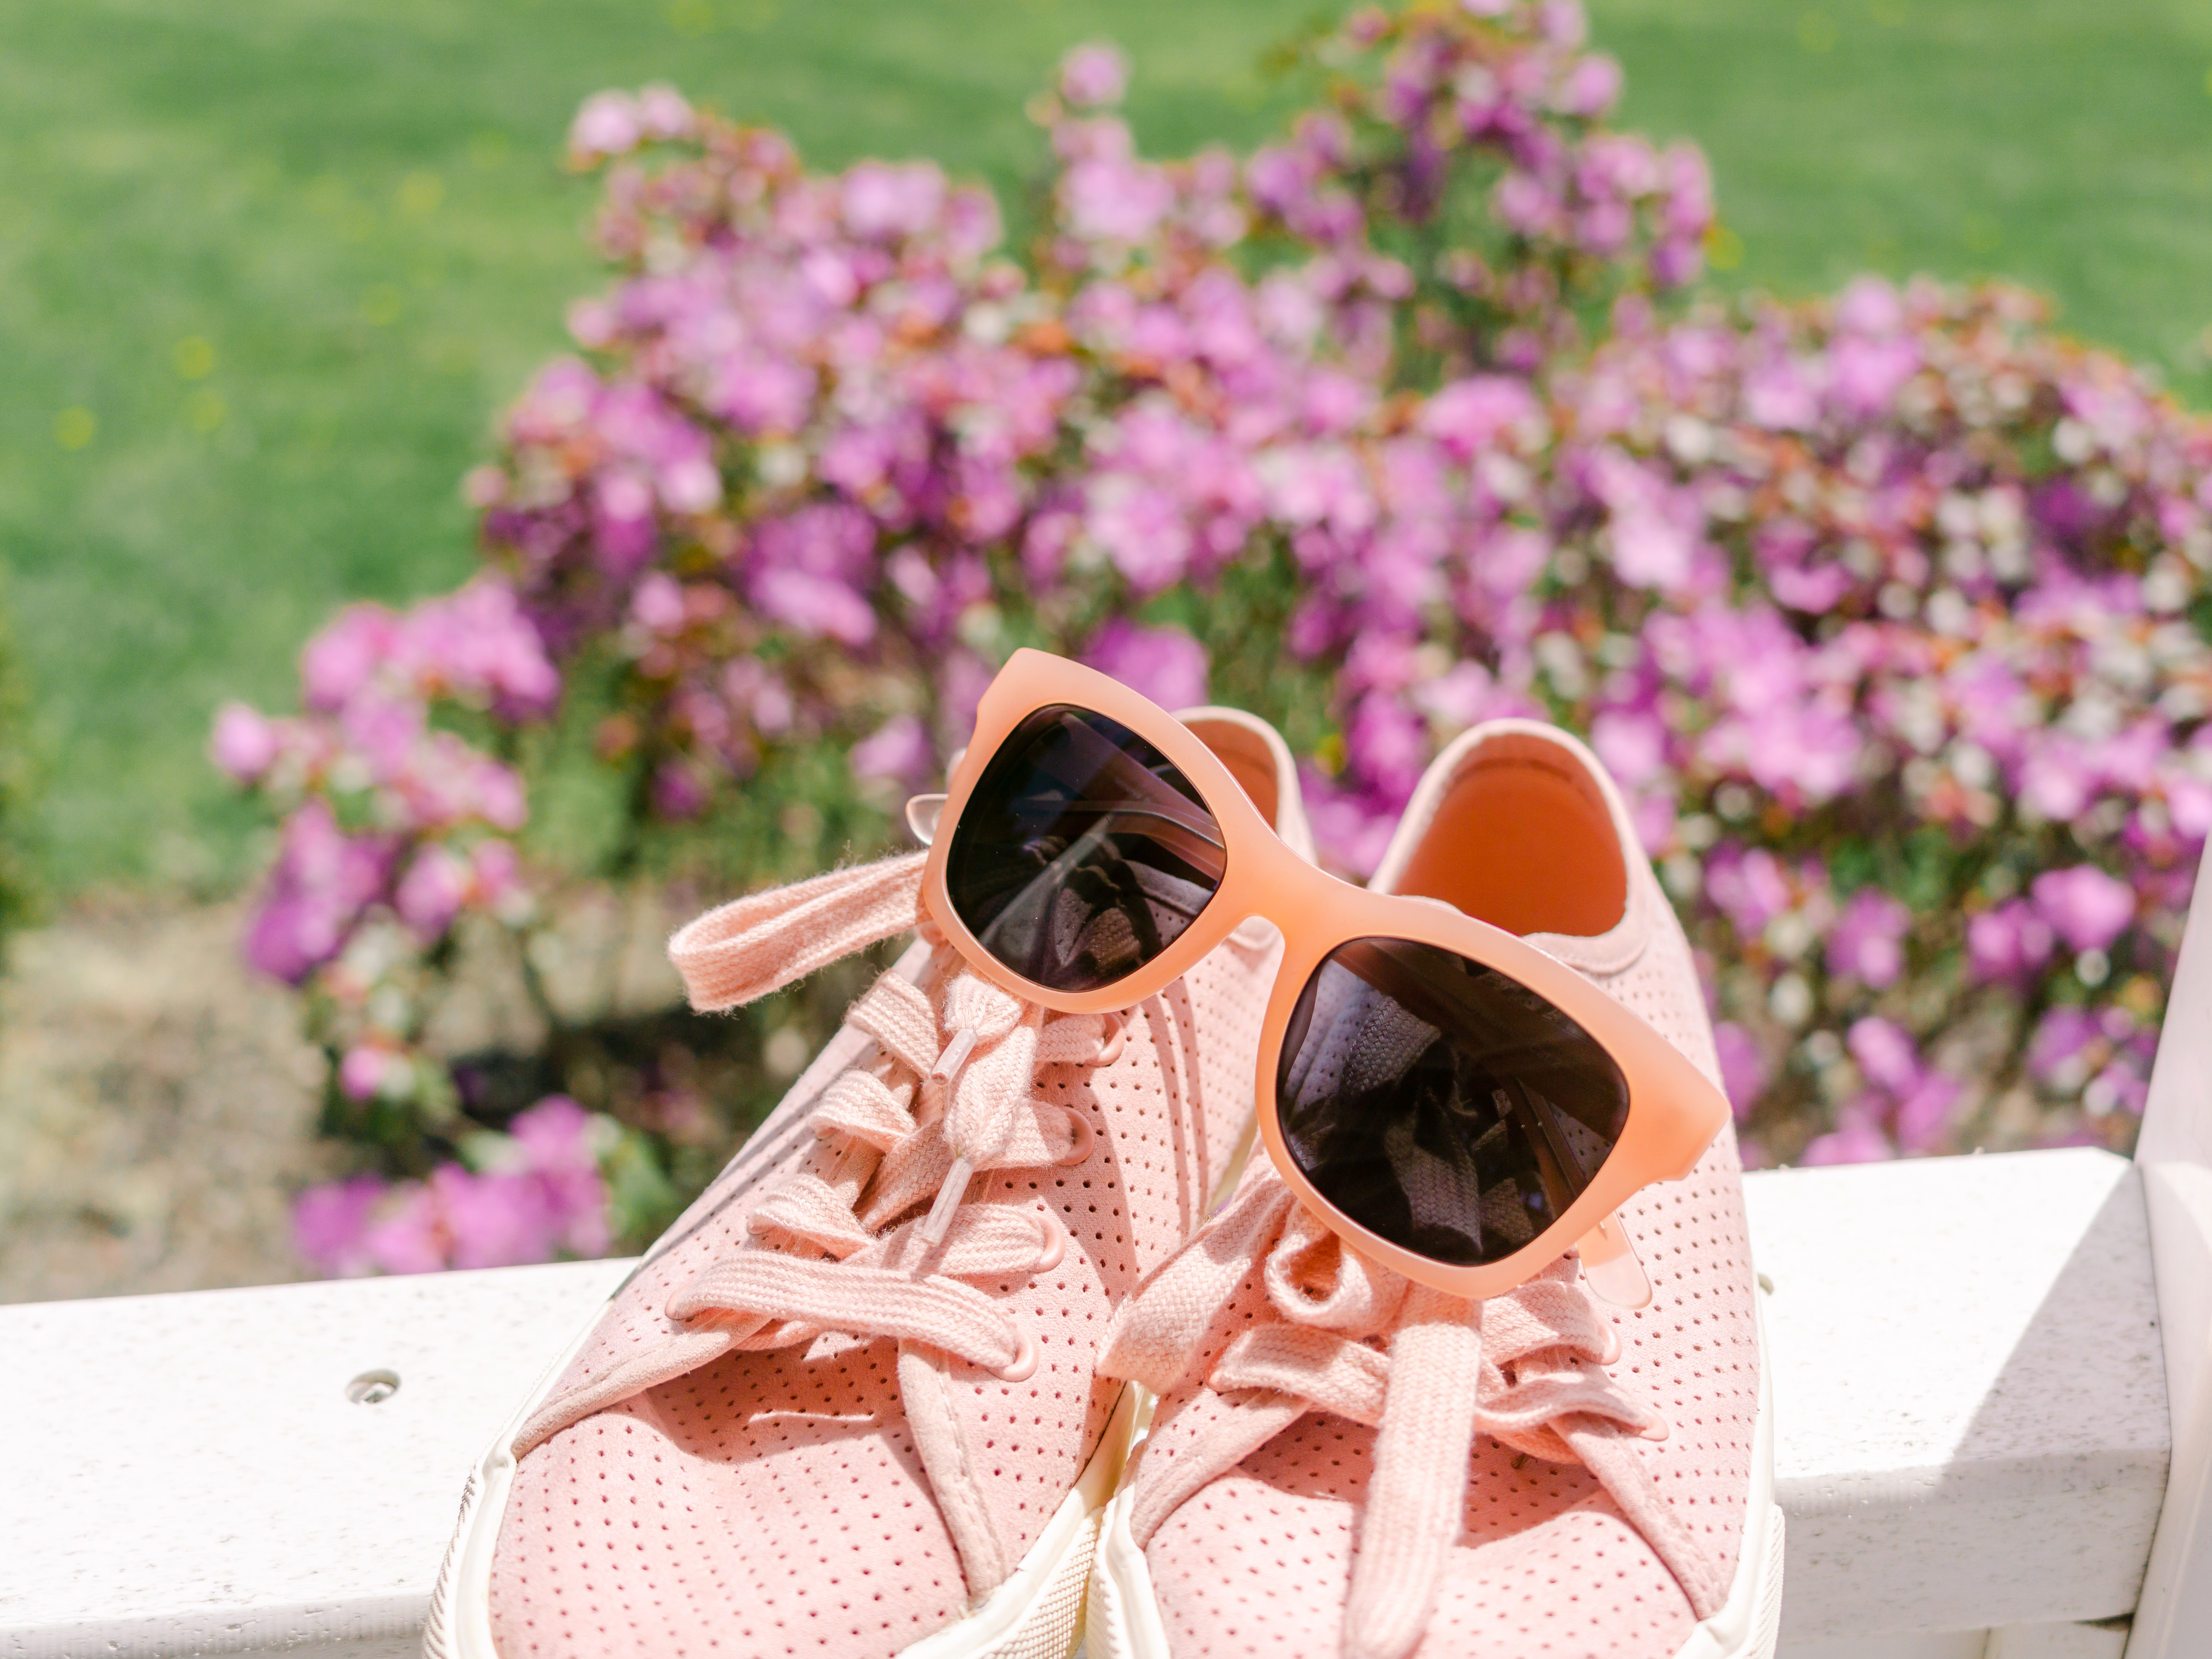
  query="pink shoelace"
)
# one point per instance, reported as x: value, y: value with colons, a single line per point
x: 1426, y: 1369
x: 946, y: 1095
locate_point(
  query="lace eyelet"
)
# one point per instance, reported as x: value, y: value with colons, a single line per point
x: 1023, y: 1364
x: 1052, y: 1242
x: 1086, y: 1139
x: 1110, y: 1049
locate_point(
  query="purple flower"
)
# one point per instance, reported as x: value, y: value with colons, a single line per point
x: 1352, y: 829
x: 679, y: 792
x: 899, y: 752
x: 1751, y: 888
x: 1744, y: 1070
x: 1886, y: 1053
x: 1165, y: 664
x: 323, y: 881
x: 2084, y: 906
x: 1867, y: 942
x: 2056, y: 1053
x: 1386, y: 745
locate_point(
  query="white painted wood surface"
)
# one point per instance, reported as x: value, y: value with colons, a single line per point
x: 1971, y: 1404
x: 2175, y: 1619
x: 186, y: 1474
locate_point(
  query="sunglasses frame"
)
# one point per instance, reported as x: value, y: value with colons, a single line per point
x: 1673, y: 1110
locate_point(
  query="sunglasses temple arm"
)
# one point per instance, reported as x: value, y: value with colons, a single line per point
x: 1609, y: 1263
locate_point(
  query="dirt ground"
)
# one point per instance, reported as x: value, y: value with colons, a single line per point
x: 156, y: 1109
x: 157, y: 1105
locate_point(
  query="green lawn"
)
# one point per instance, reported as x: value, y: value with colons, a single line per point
x: 293, y: 256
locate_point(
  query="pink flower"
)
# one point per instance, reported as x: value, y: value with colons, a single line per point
x: 1923, y: 1115
x: 495, y: 1220
x: 607, y: 124
x: 1867, y: 942
x: 1632, y: 745
x: 1856, y: 1139
x: 331, y: 1224
x: 2084, y: 906
x: 662, y: 113
x: 1165, y: 663
x: 1093, y: 76
x: 407, y: 1232
x: 362, y: 1071
x: 883, y: 200
x: 2008, y: 942
x: 338, y: 661
x: 433, y: 891
x: 244, y: 744
x: 1468, y: 417
x: 657, y: 603
x: 1590, y: 86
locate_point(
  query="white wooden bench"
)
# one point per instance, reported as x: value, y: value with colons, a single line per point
x: 1986, y: 1449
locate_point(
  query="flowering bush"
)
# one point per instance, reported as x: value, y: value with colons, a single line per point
x: 539, y: 1191
x: 1881, y: 607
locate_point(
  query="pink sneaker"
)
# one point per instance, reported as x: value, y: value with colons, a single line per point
x: 779, y: 1437
x: 1314, y: 1481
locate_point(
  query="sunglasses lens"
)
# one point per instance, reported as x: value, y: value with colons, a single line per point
x: 1439, y: 1103
x: 1082, y: 853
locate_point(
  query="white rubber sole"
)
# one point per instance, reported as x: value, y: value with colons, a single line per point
x: 1123, y: 1620
x: 1036, y: 1613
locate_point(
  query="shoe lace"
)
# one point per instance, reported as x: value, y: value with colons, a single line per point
x: 843, y: 1244
x: 1342, y: 1335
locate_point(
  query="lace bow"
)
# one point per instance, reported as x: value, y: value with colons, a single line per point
x: 1426, y: 1369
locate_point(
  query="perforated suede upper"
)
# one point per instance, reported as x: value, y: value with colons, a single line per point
x: 774, y: 1502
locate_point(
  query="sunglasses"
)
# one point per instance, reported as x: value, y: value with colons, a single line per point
x: 1447, y: 1098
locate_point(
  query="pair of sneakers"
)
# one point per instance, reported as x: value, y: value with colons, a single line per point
x: 783, y: 1436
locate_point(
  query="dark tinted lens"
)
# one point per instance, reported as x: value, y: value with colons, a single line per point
x: 1440, y: 1104
x: 1082, y: 854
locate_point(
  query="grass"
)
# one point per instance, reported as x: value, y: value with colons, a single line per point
x: 2062, y: 144
x: 268, y: 270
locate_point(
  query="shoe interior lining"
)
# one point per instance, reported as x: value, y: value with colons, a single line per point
x: 1244, y: 753
x: 1523, y: 839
